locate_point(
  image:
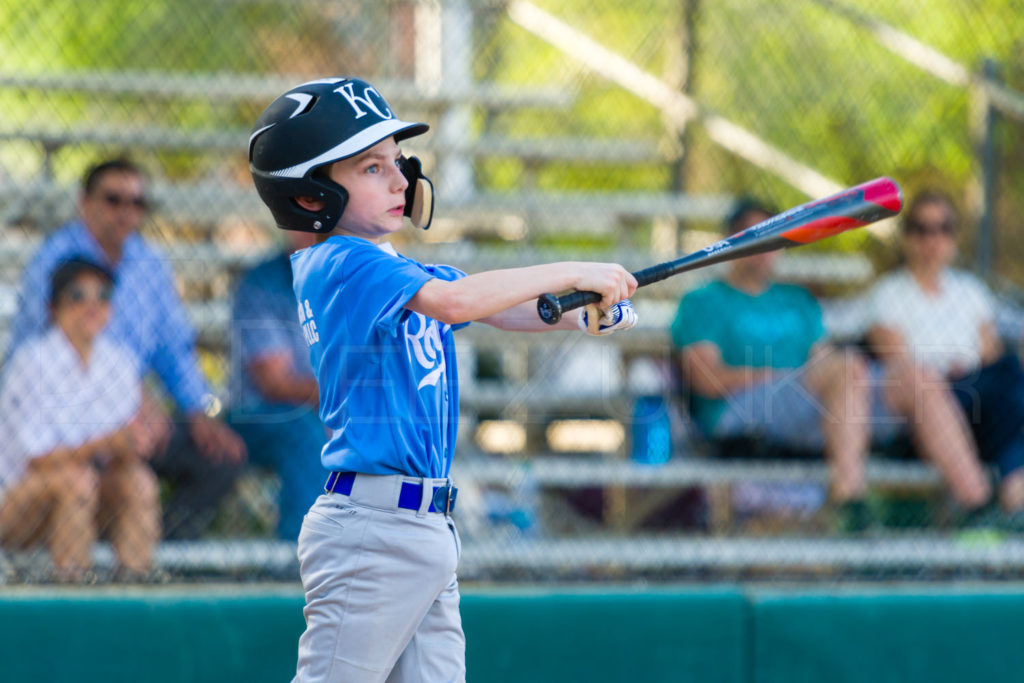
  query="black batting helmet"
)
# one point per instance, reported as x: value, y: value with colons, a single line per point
x: 311, y: 125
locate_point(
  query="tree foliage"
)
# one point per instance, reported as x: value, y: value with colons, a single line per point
x: 800, y: 75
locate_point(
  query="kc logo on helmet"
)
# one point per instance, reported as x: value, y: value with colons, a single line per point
x: 371, y: 99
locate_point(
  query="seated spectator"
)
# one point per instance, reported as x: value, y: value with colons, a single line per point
x: 73, y: 447
x: 754, y: 355
x: 201, y: 457
x: 944, y: 319
x: 273, y: 390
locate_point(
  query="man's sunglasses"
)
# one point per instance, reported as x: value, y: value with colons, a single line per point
x: 115, y: 200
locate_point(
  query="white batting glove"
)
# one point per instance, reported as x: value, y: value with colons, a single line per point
x: 621, y: 316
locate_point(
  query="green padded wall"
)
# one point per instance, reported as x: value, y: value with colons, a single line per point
x: 606, y: 633
x: 181, y: 636
x: 178, y: 637
x: 880, y: 636
x: 597, y: 635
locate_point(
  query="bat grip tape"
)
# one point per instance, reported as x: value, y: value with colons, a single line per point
x: 550, y: 307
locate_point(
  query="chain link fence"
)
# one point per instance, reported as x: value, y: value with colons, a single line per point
x: 559, y: 130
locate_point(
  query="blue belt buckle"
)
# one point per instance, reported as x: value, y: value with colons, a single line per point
x: 444, y: 498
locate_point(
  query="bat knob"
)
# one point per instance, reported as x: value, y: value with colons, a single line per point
x: 549, y: 308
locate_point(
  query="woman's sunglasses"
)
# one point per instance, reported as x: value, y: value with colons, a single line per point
x: 926, y: 229
x: 77, y: 294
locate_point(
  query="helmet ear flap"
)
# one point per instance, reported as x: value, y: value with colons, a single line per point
x: 334, y: 198
x: 419, y: 195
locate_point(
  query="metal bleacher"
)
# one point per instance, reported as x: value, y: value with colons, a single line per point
x: 523, y: 393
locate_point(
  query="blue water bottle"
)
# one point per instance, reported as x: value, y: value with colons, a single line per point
x: 651, y: 431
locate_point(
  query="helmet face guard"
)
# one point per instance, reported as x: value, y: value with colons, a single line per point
x: 317, y: 124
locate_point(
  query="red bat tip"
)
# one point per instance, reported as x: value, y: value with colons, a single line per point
x: 885, y: 192
x: 881, y: 192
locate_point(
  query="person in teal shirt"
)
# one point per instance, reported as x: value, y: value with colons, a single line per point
x: 776, y: 329
x: 756, y: 359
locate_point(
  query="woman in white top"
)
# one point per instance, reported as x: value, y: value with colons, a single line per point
x: 943, y: 319
x: 73, y: 447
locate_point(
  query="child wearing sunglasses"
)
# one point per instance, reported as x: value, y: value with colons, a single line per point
x: 73, y: 450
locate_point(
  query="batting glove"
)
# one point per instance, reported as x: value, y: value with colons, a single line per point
x: 621, y: 316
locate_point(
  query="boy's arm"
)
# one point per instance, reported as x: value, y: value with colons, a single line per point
x: 523, y: 318
x: 482, y: 295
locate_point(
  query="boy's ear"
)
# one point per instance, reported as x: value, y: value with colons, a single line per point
x: 309, y: 204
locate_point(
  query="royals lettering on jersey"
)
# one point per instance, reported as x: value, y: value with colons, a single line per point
x: 387, y: 375
x: 423, y: 343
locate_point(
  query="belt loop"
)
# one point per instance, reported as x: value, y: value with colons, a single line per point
x: 394, y: 491
x: 426, y: 497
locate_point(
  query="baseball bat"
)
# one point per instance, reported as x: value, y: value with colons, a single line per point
x: 852, y: 208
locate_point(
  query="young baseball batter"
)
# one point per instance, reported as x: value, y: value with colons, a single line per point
x: 378, y: 551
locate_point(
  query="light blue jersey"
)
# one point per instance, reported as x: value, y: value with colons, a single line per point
x: 388, y: 378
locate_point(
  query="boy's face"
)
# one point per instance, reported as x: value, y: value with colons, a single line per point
x: 376, y: 191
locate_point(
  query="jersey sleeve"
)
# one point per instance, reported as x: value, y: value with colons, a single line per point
x: 376, y: 286
x: 448, y: 274
x: 442, y: 272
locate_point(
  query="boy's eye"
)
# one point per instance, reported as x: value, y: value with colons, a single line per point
x: 373, y: 168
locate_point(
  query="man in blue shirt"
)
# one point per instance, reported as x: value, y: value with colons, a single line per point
x: 274, y: 395
x: 202, y: 457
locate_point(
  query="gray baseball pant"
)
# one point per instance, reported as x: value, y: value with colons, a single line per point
x: 382, y: 598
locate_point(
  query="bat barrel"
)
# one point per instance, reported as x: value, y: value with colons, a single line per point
x: 853, y: 208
